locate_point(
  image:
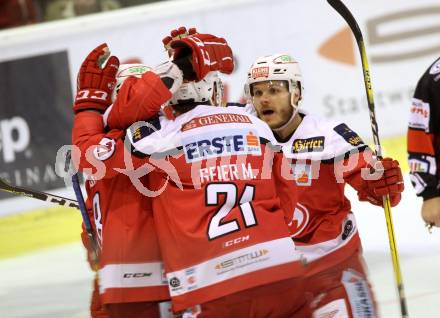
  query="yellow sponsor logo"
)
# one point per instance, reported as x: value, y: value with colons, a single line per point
x: 354, y: 141
x: 137, y: 134
x: 315, y: 144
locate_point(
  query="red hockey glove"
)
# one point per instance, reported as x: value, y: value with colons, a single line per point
x: 138, y: 99
x: 207, y: 53
x: 95, y: 83
x: 391, y: 183
x: 176, y: 34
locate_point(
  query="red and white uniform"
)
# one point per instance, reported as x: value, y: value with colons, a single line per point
x: 218, y: 218
x: 131, y: 269
x: 130, y: 261
x: 320, y: 158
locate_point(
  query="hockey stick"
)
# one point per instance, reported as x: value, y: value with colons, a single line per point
x: 51, y: 198
x: 43, y: 196
x: 348, y: 17
x: 86, y: 220
x: 84, y: 214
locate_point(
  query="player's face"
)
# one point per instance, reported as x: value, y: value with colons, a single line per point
x: 271, y: 99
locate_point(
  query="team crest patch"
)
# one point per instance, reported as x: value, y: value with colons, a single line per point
x: 314, y: 144
x: 104, y: 149
x: 349, y: 135
x: 299, y: 221
x: 141, y: 130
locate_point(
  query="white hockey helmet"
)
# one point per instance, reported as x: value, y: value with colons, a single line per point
x: 125, y: 71
x: 209, y: 90
x: 276, y: 67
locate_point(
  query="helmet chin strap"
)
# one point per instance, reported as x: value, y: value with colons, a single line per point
x: 290, y: 120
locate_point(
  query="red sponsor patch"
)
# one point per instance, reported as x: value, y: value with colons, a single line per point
x: 419, y: 110
x: 214, y: 120
x: 260, y: 72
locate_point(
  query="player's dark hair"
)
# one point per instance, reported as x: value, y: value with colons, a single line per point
x: 186, y: 106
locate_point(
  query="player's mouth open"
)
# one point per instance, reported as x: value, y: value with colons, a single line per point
x: 267, y: 112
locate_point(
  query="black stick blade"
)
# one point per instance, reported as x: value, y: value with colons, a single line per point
x: 340, y: 7
x: 42, y: 196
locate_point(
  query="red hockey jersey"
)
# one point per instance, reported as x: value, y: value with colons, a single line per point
x: 320, y: 158
x: 218, y: 217
x: 131, y: 268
